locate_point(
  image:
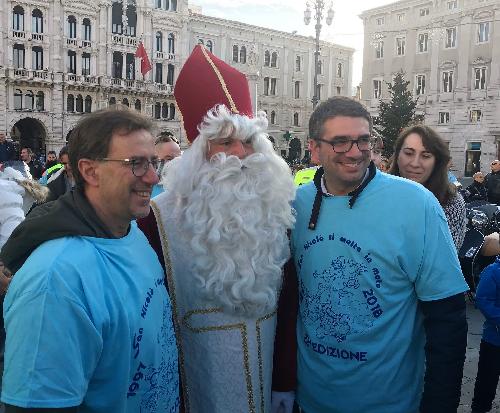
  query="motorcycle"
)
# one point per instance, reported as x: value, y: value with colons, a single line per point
x: 482, y: 219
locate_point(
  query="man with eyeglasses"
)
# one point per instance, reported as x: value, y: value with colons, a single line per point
x: 87, y: 315
x: 492, y: 183
x: 221, y: 230
x: 380, y: 323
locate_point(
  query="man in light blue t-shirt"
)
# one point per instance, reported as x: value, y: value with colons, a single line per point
x: 87, y: 315
x: 381, y: 324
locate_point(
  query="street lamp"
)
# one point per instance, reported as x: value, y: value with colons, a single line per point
x: 318, y: 6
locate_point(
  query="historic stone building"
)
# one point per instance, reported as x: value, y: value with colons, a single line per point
x: 62, y: 58
x: 280, y: 68
x: 450, y: 53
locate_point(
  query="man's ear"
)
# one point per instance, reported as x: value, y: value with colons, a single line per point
x: 89, y: 169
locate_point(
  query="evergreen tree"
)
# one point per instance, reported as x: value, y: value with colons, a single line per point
x: 395, y: 114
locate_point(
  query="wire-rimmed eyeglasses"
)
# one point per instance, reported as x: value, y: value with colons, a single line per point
x: 342, y: 144
x: 139, y: 165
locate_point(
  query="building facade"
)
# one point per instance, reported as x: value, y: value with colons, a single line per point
x: 449, y: 50
x: 280, y: 69
x: 60, y: 59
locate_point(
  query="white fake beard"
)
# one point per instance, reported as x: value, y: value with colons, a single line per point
x: 236, y: 219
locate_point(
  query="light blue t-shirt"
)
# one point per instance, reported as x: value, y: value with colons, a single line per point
x: 89, y: 323
x: 361, y: 273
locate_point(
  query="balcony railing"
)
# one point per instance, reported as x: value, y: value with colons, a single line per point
x: 164, y: 89
x: 159, y: 55
x: 118, y: 39
x: 21, y: 73
x: 19, y: 34
x: 37, y: 37
x: 71, y: 42
x: 86, y: 43
x: 40, y: 74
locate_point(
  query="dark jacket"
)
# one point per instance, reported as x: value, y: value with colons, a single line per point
x: 58, y: 187
x: 476, y: 191
x: 492, y: 184
x: 35, y: 169
x: 70, y: 215
x: 7, y: 151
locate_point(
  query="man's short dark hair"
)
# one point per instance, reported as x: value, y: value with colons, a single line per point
x: 28, y: 149
x: 336, y: 106
x: 51, y: 153
x: 166, y: 136
x: 91, y: 137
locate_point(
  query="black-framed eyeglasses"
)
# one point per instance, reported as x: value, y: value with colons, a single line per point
x: 342, y: 144
x: 139, y: 166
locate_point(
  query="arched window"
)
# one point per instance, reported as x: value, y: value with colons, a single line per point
x: 137, y: 105
x: 266, y: 86
x: 72, y: 27
x: 79, y: 103
x: 171, y: 43
x: 210, y: 46
x: 200, y: 41
x: 173, y: 5
x: 243, y: 54
x: 37, y: 58
x: 157, y: 110
x: 70, y: 103
x: 339, y: 70
x: 159, y: 42
x: 267, y: 58
x: 112, y: 101
x: 158, y: 4
x: 86, y: 30
x: 18, y: 99
x: 172, y: 111
x: 18, y: 56
x: 37, y: 21
x: 125, y: 102
x: 88, y: 104
x: 132, y: 20
x: 273, y: 117
x: 40, y: 101
x: 130, y: 68
x: 274, y: 59
x: 158, y: 73
x: 166, y: 4
x: 117, y: 65
x: 18, y: 19
x: 170, y: 74
x: 235, y: 53
x: 29, y: 100
x: 297, y: 64
x: 295, y: 119
x: 164, y: 110
x: 116, y: 17
x: 297, y: 90
x: 86, y: 64
x: 71, y: 61
x: 320, y: 67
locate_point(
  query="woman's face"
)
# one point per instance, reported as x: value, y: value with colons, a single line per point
x: 415, y: 162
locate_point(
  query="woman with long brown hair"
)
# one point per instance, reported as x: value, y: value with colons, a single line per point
x: 421, y: 155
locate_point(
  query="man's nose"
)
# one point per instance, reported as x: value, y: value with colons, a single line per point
x: 242, y: 149
x: 151, y: 177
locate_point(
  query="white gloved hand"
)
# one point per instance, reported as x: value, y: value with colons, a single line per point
x: 282, y: 401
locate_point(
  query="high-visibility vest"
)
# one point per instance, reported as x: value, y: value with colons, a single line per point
x: 304, y: 176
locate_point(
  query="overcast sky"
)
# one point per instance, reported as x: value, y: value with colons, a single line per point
x: 288, y: 15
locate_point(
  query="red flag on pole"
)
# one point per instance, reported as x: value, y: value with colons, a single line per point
x: 145, y: 63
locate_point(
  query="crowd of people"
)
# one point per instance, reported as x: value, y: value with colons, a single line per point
x: 233, y: 289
